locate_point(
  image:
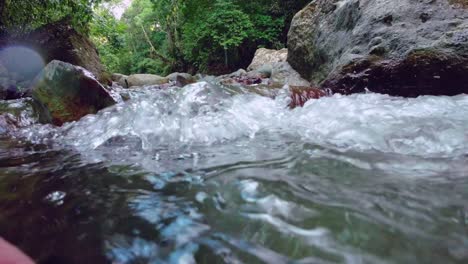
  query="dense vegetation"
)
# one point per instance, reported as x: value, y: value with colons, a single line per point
x: 20, y: 16
x: 161, y: 36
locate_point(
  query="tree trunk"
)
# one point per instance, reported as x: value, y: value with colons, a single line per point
x: 226, y: 57
x: 153, y: 49
x: 2, y: 17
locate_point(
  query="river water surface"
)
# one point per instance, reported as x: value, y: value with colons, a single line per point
x: 210, y: 174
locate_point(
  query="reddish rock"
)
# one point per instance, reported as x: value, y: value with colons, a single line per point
x: 301, y: 94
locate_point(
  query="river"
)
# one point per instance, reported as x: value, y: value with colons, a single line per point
x: 211, y: 174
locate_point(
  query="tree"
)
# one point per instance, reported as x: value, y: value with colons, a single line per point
x: 21, y: 16
x: 228, y: 26
x: 108, y: 34
x: 211, y: 36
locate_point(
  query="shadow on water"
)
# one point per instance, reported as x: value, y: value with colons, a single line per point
x: 304, y: 207
x: 59, y: 209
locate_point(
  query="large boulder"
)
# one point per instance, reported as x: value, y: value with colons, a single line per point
x: 267, y: 56
x: 406, y: 48
x: 145, y: 80
x: 66, y: 93
x: 55, y: 41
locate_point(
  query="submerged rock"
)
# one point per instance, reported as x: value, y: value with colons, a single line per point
x: 301, y: 94
x: 7, y: 123
x: 405, y: 48
x: 66, y: 93
x: 145, y: 80
x: 16, y: 114
x: 181, y: 79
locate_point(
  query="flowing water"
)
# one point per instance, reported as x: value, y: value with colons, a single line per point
x: 211, y: 174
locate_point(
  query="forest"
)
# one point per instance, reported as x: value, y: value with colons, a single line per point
x: 163, y: 36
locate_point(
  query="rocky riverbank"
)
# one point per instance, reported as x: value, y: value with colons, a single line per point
x: 401, y: 48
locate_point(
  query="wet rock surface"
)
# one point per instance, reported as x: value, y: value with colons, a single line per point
x: 403, y: 48
x: 66, y: 93
x: 15, y: 114
x: 301, y: 94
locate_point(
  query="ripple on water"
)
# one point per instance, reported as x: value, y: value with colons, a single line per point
x: 205, y: 175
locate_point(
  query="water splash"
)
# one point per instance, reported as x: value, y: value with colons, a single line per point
x: 204, y: 113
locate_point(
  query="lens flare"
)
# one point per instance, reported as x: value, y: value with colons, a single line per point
x: 21, y: 62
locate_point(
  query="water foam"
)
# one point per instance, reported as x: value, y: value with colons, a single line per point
x: 204, y: 113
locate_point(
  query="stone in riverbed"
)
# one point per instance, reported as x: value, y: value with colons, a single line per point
x: 120, y: 79
x: 181, y: 79
x: 145, y: 80
x: 66, y: 93
x: 282, y: 73
x: 402, y: 48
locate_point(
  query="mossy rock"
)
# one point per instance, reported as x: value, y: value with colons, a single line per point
x: 66, y: 93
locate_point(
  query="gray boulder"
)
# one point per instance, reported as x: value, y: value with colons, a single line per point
x: 65, y: 93
x: 283, y: 74
x: 120, y: 79
x: 404, y: 47
x: 145, y: 80
x: 267, y: 56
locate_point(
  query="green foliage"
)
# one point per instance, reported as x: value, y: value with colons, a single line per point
x: 227, y: 25
x: 18, y: 16
x: 161, y: 36
x: 108, y: 34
